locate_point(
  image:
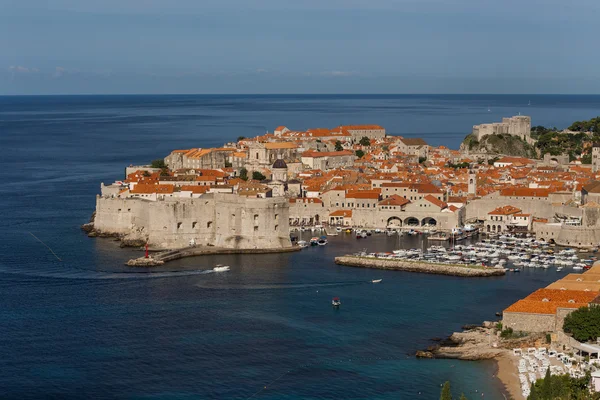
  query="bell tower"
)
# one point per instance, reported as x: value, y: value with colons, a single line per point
x: 472, y: 182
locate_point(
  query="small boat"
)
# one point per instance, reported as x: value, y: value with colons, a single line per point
x: 302, y: 244
x: 313, y: 241
x: 336, y: 302
x: 376, y: 280
x: 221, y: 268
x: 322, y: 242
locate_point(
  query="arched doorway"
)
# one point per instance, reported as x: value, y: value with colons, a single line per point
x: 394, y: 222
x: 428, y: 221
x: 411, y: 221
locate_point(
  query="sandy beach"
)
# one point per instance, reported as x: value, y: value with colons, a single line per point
x: 507, y: 374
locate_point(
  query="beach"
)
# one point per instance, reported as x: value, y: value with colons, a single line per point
x: 507, y: 375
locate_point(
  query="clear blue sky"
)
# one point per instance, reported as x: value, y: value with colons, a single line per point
x: 301, y: 46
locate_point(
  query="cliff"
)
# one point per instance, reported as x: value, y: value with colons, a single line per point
x: 508, y: 145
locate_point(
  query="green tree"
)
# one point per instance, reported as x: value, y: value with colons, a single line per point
x: 365, y: 141
x: 359, y: 153
x: 338, y: 146
x: 257, y: 176
x: 463, y: 397
x: 583, y: 323
x: 422, y: 160
x: 446, y: 393
x: 241, y: 138
x: 586, y: 159
x: 244, y: 174
x: 159, y: 163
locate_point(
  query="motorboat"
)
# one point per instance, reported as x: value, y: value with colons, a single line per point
x: 336, y: 302
x: 314, y: 241
x: 376, y: 280
x: 338, y: 229
x: 322, y: 241
x: 302, y: 244
x: 221, y: 268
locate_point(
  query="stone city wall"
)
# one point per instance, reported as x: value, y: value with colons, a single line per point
x: 527, y: 322
x: 216, y: 219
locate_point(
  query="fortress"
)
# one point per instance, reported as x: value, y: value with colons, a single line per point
x: 227, y: 221
x: 519, y: 125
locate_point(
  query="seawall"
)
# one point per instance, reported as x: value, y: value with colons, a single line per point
x: 165, y: 256
x: 418, y: 266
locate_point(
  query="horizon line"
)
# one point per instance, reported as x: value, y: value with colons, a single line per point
x: 298, y: 94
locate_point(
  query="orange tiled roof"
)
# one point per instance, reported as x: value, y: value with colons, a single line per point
x: 143, y: 188
x: 505, y: 210
x: 341, y: 213
x: 541, y: 307
x: 394, y: 200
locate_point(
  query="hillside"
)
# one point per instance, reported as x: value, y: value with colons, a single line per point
x: 498, y: 144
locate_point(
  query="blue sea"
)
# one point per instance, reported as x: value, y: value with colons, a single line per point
x: 79, y: 324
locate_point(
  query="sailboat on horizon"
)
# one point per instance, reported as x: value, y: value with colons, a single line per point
x: 529, y: 103
x: 489, y: 109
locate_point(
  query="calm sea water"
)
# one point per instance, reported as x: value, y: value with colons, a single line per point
x: 87, y: 326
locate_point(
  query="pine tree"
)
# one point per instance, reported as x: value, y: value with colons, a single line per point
x: 463, y: 397
x: 446, y: 394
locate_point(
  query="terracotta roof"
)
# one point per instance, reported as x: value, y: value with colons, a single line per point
x: 435, y: 201
x: 505, y: 210
x: 197, y: 189
x: 394, y: 200
x: 341, y: 213
x: 577, y: 296
x: 362, y: 194
x: 143, y: 188
x: 540, y: 307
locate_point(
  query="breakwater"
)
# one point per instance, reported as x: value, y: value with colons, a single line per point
x: 165, y: 256
x: 419, y: 266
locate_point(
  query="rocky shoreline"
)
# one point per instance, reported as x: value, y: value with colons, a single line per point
x: 418, y: 266
x: 477, y: 343
x: 126, y: 240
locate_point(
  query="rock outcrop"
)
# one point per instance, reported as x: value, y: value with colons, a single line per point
x: 508, y: 145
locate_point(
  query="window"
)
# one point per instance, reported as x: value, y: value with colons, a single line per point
x: 209, y: 224
x: 256, y: 229
x: 178, y: 225
x: 194, y: 225
x: 276, y: 217
x: 255, y: 218
x: 276, y: 227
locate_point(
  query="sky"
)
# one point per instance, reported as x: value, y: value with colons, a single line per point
x: 301, y: 46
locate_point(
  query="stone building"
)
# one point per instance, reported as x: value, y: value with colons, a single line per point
x: 328, y: 160
x: 200, y: 158
x: 412, y: 146
x: 596, y: 158
x: 359, y: 131
x: 214, y: 219
x: 262, y: 155
x: 519, y: 125
x: 545, y: 310
x: 472, y: 183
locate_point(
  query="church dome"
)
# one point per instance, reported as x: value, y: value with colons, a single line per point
x: 279, y: 163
